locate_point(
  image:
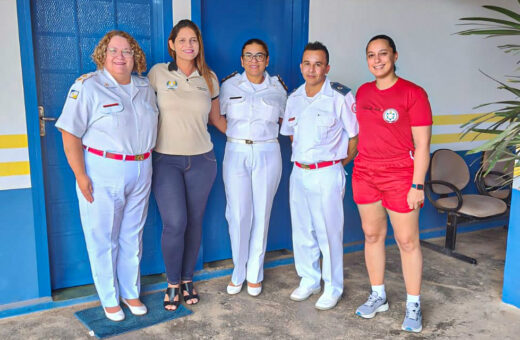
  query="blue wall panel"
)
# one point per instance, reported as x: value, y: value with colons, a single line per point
x: 18, y: 263
x: 511, y: 293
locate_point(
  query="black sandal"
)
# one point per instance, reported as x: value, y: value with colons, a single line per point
x: 188, y: 287
x: 172, y: 292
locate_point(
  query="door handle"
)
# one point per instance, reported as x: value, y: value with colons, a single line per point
x: 43, y: 119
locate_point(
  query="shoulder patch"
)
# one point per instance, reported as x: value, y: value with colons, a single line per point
x: 281, y: 82
x: 230, y: 76
x: 340, y: 88
x: 85, y: 76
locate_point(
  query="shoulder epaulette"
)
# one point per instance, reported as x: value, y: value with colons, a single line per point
x: 85, y: 76
x: 281, y: 82
x: 230, y: 76
x: 340, y: 88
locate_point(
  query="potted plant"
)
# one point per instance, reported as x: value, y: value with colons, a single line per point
x: 505, y: 120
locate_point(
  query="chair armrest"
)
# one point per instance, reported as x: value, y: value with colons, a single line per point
x: 428, y: 191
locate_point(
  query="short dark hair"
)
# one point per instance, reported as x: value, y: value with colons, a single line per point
x: 256, y: 41
x: 317, y: 46
x: 384, y: 37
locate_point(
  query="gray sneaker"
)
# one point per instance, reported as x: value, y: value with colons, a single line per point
x: 413, y: 319
x: 373, y: 305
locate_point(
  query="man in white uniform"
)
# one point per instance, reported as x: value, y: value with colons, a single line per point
x: 319, y: 119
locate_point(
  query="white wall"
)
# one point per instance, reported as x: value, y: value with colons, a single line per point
x: 181, y: 10
x: 14, y: 158
x: 446, y: 65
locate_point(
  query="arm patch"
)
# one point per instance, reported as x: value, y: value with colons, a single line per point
x: 340, y: 88
x: 230, y: 76
x: 281, y: 82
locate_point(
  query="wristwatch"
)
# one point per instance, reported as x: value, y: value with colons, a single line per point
x: 418, y: 186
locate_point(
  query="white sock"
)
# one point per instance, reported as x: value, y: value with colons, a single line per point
x: 413, y: 298
x: 380, y: 290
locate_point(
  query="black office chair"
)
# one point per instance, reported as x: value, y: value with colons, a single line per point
x: 449, y: 175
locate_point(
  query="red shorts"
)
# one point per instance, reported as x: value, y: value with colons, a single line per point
x: 388, y: 181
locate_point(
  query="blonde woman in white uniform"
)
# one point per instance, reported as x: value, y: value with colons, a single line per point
x: 254, y: 104
x: 109, y: 127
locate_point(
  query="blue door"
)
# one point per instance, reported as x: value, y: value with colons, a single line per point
x: 226, y: 25
x: 65, y: 33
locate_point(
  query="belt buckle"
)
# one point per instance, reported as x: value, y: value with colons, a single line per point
x: 305, y: 166
x: 248, y: 141
x: 139, y: 157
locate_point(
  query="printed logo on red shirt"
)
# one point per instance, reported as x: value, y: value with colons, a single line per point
x: 390, y: 115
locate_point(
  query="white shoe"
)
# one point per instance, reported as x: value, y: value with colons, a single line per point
x: 232, y: 290
x: 136, y: 310
x: 115, y: 316
x: 327, y: 302
x: 302, y: 293
x: 254, y: 291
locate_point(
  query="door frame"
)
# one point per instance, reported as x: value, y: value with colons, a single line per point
x: 162, y: 23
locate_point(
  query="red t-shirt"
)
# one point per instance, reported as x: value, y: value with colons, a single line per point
x: 386, y: 116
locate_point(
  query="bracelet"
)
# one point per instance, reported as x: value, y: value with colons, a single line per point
x: 418, y: 186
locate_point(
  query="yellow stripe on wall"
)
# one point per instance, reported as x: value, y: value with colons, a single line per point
x: 455, y: 137
x: 13, y: 141
x: 459, y: 119
x: 14, y: 168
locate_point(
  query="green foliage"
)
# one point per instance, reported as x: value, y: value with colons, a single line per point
x: 505, y: 120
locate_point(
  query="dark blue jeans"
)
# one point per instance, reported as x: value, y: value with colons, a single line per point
x: 181, y: 185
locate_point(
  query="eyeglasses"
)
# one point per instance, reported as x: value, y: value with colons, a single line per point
x: 250, y: 56
x: 114, y: 52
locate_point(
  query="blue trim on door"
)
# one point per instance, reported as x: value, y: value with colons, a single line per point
x: 33, y: 135
x: 163, y: 22
x: 300, y: 38
x: 196, y: 12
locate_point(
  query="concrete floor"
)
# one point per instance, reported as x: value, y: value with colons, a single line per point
x: 459, y: 301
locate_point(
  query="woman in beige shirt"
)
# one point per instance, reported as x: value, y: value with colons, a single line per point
x: 184, y: 165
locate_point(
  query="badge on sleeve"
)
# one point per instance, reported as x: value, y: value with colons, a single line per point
x: 73, y: 94
x: 390, y: 115
x: 171, y: 84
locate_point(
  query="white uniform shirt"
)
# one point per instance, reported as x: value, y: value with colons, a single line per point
x: 321, y: 126
x: 107, y: 118
x: 252, y: 113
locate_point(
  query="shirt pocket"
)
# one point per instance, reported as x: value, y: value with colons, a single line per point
x: 270, y: 110
x: 237, y: 108
x: 324, y: 125
x: 111, y: 113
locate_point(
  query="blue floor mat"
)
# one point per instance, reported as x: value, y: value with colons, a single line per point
x: 97, y: 323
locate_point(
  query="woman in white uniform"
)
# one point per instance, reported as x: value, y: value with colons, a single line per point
x: 254, y: 104
x: 109, y: 127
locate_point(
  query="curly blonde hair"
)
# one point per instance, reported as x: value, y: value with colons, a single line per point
x: 100, y: 52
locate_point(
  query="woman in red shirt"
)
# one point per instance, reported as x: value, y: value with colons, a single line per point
x: 395, y: 121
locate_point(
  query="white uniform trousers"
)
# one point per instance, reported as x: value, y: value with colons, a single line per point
x: 316, y: 201
x: 251, y: 174
x: 113, y: 224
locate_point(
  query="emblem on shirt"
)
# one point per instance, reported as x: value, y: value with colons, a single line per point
x: 73, y: 94
x: 171, y: 84
x: 390, y: 115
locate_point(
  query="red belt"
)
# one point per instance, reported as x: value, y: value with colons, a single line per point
x: 117, y: 156
x: 316, y: 165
